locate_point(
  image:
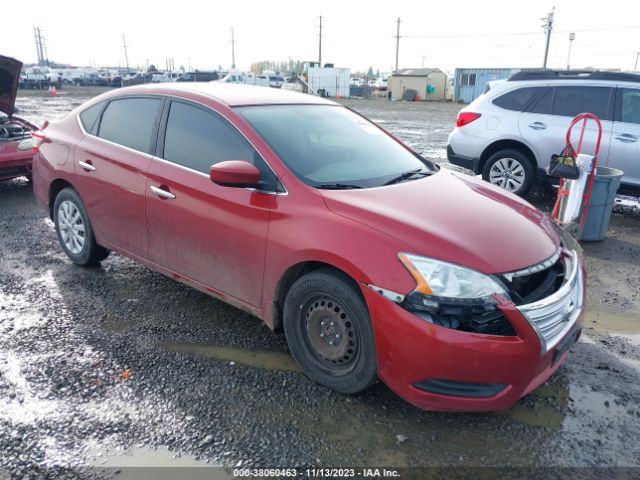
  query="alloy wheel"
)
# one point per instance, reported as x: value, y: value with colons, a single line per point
x: 72, y: 228
x: 507, y: 173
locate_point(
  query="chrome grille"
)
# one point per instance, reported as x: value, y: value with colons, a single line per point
x: 553, y: 316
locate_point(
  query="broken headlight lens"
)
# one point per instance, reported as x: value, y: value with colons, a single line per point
x: 440, y: 281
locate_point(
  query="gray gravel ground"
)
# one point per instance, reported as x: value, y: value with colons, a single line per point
x: 212, y: 385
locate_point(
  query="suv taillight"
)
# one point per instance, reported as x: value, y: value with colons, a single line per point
x: 466, y: 117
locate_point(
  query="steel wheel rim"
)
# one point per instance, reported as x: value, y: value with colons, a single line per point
x: 331, y: 334
x: 71, y: 227
x: 508, y: 173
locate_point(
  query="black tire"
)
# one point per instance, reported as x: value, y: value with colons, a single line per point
x: 500, y: 164
x: 89, y: 253
x: 348, y: 365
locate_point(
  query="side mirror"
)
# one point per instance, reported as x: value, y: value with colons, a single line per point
x: 235, y: 173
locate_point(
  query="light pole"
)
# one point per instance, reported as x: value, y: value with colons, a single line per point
x: 548, y: 28
x: 572, y: 37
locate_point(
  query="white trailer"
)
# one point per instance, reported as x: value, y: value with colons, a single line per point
x: 330, y: 82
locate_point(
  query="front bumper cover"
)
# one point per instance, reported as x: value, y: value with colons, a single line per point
x: 411, y: 351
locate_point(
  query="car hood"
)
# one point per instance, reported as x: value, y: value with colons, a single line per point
x: 454, y: 217
x: 9, y: 78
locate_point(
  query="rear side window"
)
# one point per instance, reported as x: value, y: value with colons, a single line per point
x: 89, y: 117
x: 543, y: 102
x: 130, y: 122
x: 571, y: 101
x: 517, y: 100
x: 198, y: 138
x: 629, y: 106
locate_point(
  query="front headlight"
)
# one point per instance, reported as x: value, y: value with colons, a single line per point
x: 440, y: 281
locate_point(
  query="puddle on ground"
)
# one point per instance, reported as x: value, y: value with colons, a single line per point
x: 268, y: 360
x: 157, y: 464
x: 616, y: 322
x: 547, y: 410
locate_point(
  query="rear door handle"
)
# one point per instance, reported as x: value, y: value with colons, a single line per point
x: 87, y: 165
x: 626, y: 138
x: 162, y: 192
x: 537, y: 126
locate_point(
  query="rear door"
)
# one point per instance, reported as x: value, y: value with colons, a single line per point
x: 625, y: 137
x: 111, y: 166
x: 214, y: 235
x: 544, y: 125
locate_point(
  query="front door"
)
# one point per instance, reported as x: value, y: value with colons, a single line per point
x: 212, y: 234
x: 625, y: 137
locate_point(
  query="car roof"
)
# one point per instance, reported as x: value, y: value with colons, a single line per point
x: 232, y: 95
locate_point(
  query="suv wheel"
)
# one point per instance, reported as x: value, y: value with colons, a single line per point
x: 511, y: 170
x: 329, y: 331
x: 74, y: 229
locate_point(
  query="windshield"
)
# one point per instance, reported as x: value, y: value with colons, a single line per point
x: 330, y: 146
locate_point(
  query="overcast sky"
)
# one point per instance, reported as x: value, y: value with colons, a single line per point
x: 358, y: 35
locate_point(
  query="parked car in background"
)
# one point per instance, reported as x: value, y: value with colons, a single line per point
x: 509, y: 133
x: 259, y: 80
x: 374, y: 261
x: 275, y: 81
x: 15, y: 134
x: 198, y: 76
x: 39, y: 77
x: 381, y: 84
x: 234, y: 77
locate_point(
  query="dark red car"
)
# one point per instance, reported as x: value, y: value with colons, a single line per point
x: 15, y: 133
x: 374, y: 261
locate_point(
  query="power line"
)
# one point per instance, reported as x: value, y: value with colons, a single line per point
x: 519, y: 34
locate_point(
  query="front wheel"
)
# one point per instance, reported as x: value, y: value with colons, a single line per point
x: 329, y: 331
x: 74, y: 230
x: 511, y: 170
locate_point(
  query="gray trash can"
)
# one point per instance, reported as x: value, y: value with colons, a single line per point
x: 603, y: 195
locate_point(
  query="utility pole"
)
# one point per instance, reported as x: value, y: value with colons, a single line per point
x: 126, y: 55
x: 233, y: 49
x: 397, y: 44
x: 548, y: 27
x: 423, y: 60
x: 637, y: 56
x: 43, y: 57
x: 572, y: 37
x: 320, y: 44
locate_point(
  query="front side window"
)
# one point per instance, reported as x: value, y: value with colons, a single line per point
x: 629, y: 106
x: 197, y: 138
x: 573, y: 100
x: 130, y: 122
x: 326, y: 145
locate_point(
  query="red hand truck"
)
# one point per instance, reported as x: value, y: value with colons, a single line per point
x: 563, y: 192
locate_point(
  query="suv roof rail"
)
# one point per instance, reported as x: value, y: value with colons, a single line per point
x: 575, y: 75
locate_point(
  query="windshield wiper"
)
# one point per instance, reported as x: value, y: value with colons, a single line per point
x: 336, y: 186
x: 407, y: 175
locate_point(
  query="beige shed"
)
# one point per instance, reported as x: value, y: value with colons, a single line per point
x: 418, y: 79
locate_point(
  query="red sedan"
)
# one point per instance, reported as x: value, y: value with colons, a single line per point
x: 15, y: 133
x: 374, y: 261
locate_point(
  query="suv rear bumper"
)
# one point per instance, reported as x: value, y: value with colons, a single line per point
x: 470, y: 163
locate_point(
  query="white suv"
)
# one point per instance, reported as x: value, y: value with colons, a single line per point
x: 509, y: 133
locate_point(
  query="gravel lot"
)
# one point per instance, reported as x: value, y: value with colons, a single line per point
x: 118, y: 366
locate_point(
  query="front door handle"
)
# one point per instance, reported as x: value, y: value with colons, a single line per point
x: 87, y: 165
x: 537, y: 126
x: 162, y: 192
x: 626, y: 138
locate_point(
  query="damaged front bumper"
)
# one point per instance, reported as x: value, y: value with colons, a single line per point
x: 439, y: 368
